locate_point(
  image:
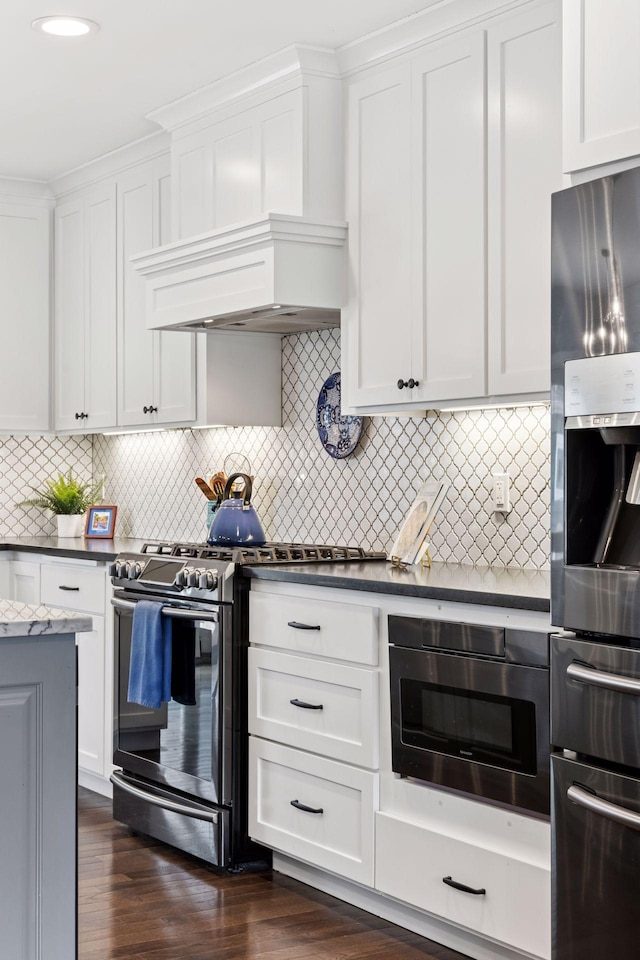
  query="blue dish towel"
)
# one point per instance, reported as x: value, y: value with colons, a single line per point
x: 150, y: 663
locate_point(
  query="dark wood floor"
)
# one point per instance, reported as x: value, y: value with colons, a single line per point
x: 142, y: 900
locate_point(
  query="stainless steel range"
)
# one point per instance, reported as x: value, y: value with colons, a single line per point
x: 183, y: 776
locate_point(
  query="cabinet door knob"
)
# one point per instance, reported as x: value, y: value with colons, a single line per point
x: 410, y: 384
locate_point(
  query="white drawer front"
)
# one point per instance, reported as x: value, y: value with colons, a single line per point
x: 73, y: 587
x: 411, y: 863
x: 344, y: 631
x: 327, y: 708
x: 340, y: 838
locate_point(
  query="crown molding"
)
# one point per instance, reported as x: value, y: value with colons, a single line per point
x: 441, y: 18
x: 112, y: 163
x: 296, y: 61
x: 29, y: 191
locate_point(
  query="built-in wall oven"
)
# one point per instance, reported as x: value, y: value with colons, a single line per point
x: 470, y: 709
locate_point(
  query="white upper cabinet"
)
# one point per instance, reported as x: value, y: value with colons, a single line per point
x: 85, y: 311
x: 448, y: 221
x: 156, y: 383
x: 25, y: 242
x: 452, y: 157
x: 601, y: 82
x: 378, y: 318
x: 524, y: 158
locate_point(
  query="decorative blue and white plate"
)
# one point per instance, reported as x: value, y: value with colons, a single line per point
x: 338, y: 435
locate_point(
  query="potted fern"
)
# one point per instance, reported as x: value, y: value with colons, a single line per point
x: 68, y: 498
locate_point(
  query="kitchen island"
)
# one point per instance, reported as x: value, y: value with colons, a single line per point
x: 38, y: 758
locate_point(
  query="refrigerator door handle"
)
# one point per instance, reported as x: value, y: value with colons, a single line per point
x: 598, y: 678
x: 627, y: 818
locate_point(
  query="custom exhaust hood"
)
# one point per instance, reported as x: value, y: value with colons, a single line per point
x: 275, y: 274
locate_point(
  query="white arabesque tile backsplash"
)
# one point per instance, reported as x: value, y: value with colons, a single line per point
x: 303, y: 494
x: 26, y: 462
x: 300, y: 492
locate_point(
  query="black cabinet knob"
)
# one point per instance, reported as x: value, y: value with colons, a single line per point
x: 410, y: 384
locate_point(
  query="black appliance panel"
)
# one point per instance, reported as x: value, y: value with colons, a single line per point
x: 595, y: 699
x: 479, y: 726
x: 596, y: 857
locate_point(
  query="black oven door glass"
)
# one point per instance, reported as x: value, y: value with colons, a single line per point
x: 482, y: 727
x: 178, y: 743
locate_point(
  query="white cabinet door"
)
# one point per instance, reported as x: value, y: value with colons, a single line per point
x: 377, y: 320
x: 135, y: 342
x: 601, y: 81
x: 91, y: 702
x: 85, y: 311
x: 156, y: 370
x: 448, y: 173
x: 69, y: 320
x: 100, y: 308
x: 525, y: 167
x: 25, y: 581
x: 25, y: 237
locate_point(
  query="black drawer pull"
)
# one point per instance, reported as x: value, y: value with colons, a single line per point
x: 303, y: 806
x: 462, y: 886
x: 307, y: 706
x: 62, y: 587
x: 302, y: 626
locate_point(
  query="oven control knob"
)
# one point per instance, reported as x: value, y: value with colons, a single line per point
x: 192, y: 577
x: 122, y: 568
x: 208, y: 580
x: 113, y: 569
x: 135, y: 569
x: 180, y: 578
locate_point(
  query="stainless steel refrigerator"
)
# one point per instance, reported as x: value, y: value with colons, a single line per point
x: 595, y: 569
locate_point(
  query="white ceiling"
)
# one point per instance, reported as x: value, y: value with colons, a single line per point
x: 65, y: 102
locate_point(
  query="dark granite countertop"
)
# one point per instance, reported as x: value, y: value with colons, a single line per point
x: 516, y: 587
x: 76, y: 548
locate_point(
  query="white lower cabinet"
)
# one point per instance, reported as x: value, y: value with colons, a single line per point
x: 24, y: 581
x: 91, y: 699
x: 326, y: 708
x: 323, y: 796
x: 313, y: 808
x: 506, y: 899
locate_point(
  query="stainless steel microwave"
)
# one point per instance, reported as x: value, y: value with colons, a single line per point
x: 470, y: 709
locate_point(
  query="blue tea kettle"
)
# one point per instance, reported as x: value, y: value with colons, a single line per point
x: 236, y: 522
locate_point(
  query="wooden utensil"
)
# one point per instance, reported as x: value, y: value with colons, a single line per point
x: 217, y: 483
x: 206, y: 489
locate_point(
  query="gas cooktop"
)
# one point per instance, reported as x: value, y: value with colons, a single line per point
x: 268, y: 553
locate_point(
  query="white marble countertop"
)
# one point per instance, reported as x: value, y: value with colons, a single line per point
x: 27, y: 620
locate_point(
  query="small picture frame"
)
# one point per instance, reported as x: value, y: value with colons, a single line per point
x: 101, y: 521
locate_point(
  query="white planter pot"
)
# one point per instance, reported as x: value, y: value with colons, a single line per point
x: 70, y: 525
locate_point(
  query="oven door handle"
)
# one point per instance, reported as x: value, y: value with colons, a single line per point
x: 119, y: 781
x: 627, y: 818
x: 176, y: 613
x: 598, y: 678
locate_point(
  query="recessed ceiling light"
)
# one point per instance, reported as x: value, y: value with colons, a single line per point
x: 65, y: 26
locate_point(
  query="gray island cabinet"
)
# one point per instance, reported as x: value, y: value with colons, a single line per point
x: 38, y: 824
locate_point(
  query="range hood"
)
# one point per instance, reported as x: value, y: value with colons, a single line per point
x: 277, y: 274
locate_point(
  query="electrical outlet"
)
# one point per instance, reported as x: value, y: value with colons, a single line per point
x: 500, y: 493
